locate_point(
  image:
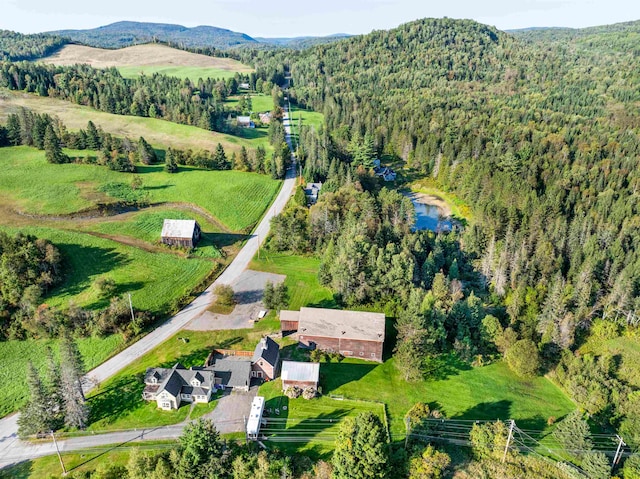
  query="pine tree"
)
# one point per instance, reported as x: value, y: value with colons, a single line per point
x: 35, y: 417
x: 361, y: 450
x: 76, y: 412
x: 94, y: 142
x: 220, y: 158
x: 170, y: 165
x: 146, y: 153
x: 52, y: 150
x: 55, y: 402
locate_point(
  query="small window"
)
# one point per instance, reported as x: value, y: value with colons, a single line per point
x: 373, y: 355
x: 154, y: 380
x: 165, y: 405
x: 361, y: 353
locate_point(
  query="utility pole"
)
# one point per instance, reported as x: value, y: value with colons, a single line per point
x: 407, y: 427
x: 618, y: 455
x: 64, y: 470
x: 131, y: 308
x: 506, y: 448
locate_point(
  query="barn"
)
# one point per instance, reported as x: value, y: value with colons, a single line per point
x: 302, y: 375
x: 183, y: 233
x: 357, y: 334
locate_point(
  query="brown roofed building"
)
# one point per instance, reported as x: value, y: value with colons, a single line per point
x: 351, y: 333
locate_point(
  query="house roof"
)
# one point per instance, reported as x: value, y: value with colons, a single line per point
x: 178, y: 379
x: 244, y: 119
x: 233, y: 372
x: 178, y: 228
x: 268, y: 350
x: 335, y: 323
x: 297, y: 371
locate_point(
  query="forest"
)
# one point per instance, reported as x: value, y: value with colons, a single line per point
x: 17, y: 46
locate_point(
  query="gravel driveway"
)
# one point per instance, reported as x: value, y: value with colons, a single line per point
x: 248, y: 288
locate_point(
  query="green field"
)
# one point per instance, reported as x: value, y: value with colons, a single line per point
x: 302, y: 278
x: 160, y: 133
x: 302, y: 117
x: 15, y: 355
x: 193, y: 73
x: 234, y: 198
x: 259, y: 102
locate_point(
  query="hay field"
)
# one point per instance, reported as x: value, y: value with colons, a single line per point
x: 148, y: 59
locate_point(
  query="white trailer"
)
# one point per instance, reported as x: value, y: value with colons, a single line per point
x: 255, y: 418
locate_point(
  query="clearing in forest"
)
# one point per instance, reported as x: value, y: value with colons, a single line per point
x: 148, y: 59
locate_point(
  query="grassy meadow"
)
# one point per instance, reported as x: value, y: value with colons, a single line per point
x: 193, y: 73
x: 157, y: 132
x: 31, y: 185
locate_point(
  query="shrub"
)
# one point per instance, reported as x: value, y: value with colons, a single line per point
x: 431, y: 464
x: 308, y: 393
x: 106, y: 287
x: 293, y: 392
x: 224, y: 294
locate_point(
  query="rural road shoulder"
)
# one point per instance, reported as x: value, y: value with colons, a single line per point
x: 12, y: 450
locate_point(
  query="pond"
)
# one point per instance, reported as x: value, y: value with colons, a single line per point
x: 430, y: 213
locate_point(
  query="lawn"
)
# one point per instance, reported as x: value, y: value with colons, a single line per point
x: 314, y: 423
x: 117, y: 403
x: 302, y: 278
x: 259, y: 102
x: 459, y: 391
x: 303, y: 117
x: 160, y: 133
x: 235, y: 199
x: 15, y: 355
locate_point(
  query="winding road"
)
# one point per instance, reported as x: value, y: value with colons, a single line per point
x: 13, y: 450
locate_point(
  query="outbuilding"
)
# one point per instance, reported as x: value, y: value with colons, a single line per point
x: 183, y: 233
x: 302, y: 375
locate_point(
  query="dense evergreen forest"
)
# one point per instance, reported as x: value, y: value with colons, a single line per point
x: 16, y: 46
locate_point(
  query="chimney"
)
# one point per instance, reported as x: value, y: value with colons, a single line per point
x: 264, y: 343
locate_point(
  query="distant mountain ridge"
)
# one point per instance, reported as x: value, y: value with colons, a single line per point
x: 127, y: 33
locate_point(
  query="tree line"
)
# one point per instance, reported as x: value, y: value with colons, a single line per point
x: 17, y: 46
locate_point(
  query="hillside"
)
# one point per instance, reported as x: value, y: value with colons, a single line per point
x: 148, y: 58
x: 123, y: 34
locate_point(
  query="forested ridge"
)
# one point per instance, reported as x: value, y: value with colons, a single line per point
x: 17, y: 46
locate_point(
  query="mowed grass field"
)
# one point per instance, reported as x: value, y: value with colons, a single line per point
x: 235, y: 199
x: 159, y: 133
x: 149, y: 59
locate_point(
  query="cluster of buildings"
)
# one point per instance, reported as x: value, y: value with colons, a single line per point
x: 384, y: 172
x: 350, y: 333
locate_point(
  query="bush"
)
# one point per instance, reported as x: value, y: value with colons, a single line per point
x: 632, y: 468
x: 106, y: 287
x: 224, y: 294
x: 293, y: 392
x: 431, y: 464
x: 308, y: 393
x: 523, y: 358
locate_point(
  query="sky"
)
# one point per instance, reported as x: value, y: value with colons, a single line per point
x: 263, y: 18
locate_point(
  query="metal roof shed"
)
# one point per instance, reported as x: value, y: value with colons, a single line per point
x: 255, y: 417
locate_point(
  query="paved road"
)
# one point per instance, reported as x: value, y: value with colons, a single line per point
x: 12, y: 450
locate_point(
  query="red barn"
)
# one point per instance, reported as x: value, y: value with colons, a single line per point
x: 351, y: 333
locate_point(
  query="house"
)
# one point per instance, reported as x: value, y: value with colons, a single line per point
x: 302, y: 375
x: 169, y: 387
x: 245, y: 122
x: 184, y: 233
x: 351, y: 333
x: 244, y: 86
x: 311, y: 192
x: 255, y: 418
x: 265, y: 360
x: 265, y: 118
x: 231, y: 372
x: 387, y: 174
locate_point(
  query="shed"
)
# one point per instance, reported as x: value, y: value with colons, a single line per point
x: 255, y: 417
x: 289, y: 320
x: 302, y: 375
x: 185, y: 233
x: 245, y: 122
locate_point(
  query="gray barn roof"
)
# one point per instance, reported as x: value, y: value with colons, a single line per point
x: 178, y: 228
x: 297, y: 371
x: 335, y: 323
